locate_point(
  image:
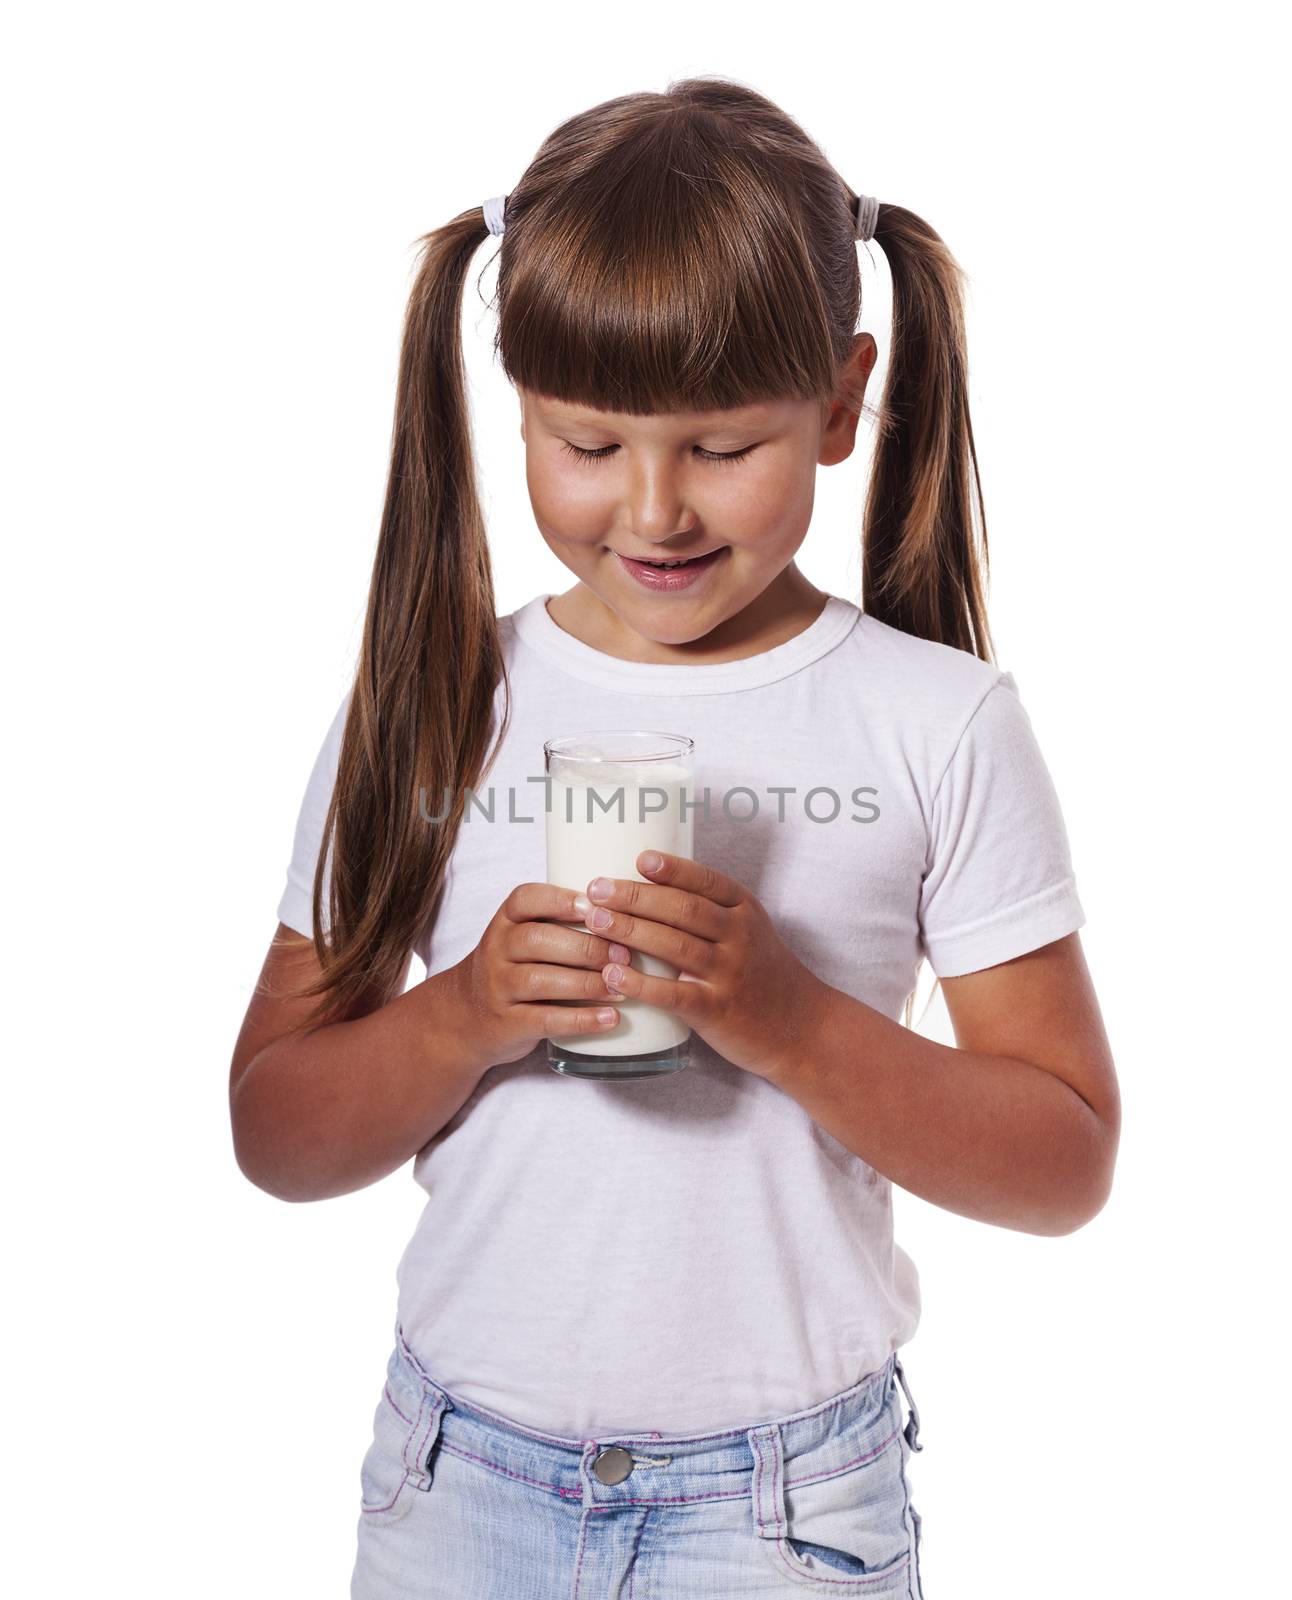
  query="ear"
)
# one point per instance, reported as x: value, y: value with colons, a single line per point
x: 839, y: 434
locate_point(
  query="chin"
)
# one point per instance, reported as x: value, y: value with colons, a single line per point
x: 681, y: 632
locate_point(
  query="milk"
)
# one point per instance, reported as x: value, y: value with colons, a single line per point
x: 601, y: 815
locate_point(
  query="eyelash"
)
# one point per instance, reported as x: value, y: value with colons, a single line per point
x: 601, y: 455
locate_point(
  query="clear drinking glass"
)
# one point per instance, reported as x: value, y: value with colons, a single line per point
x: 613, y: 793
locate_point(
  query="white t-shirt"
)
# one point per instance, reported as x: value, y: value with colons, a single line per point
x: 693, y: 1251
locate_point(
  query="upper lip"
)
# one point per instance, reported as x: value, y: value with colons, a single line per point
x: 673, y: 555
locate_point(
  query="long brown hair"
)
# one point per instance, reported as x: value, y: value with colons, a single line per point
x: 690, y: 250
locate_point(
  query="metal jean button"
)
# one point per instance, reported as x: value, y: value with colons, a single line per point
x: 613, y: 1465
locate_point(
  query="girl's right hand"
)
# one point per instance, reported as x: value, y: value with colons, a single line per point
x: 524, y: 961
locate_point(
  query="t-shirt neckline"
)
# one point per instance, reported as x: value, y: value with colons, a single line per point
x: 537, y: 628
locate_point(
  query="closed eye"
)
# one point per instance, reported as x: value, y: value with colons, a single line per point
x: 705, y: 455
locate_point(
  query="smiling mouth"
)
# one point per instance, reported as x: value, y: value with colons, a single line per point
x: 672, y: 561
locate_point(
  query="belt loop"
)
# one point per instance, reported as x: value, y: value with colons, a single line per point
x: 419, y: 1446
x: 912, y: 1429
x: 766, y: 1489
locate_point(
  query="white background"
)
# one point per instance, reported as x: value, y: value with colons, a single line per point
x: 211, y: 215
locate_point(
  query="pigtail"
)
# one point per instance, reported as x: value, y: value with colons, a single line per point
x: 925, y: 565
x: 924, y: 559
x: 422, y: 705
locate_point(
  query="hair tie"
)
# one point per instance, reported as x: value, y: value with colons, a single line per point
x: 867, y: 214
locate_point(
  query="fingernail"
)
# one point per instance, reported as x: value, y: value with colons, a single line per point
x: 582, y: 904
x: 599, y: 888
x: 619, y: 952
x: 613, y: 976
x: 652, y: 861
x: 605, y: 1014
x: 601, y: 918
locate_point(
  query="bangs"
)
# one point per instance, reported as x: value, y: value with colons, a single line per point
x: 673, y: 296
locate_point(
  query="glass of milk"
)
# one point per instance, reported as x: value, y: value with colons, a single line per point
x: 613, y: 793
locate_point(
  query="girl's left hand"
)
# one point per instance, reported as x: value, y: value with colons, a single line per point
x: 739, y: 986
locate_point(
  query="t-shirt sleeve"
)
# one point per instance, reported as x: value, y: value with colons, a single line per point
x: 294, y: 908
x: 1000, y: 879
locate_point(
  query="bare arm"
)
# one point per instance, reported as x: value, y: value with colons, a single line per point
x: 1018, y: 1126
x: 321, y: 1114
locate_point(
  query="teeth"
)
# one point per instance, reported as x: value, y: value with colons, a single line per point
x: 663, y: 566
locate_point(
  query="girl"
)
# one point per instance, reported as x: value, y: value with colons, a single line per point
x: 648, y: 1331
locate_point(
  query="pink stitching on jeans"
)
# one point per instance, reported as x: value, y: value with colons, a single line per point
x: 758, y: 1482
x: 369, y: 1510
x: 632, y: 1558
x: 395, y: 1408
x: 408, y: 1422
x: 834, y: 1472
x: 681, y: 1499
x: 609, y: 1505
x: 430, y: 1424
x: 780, y: 1540
x: 506, y: 1472
x: 778, y: 1496
x: 583, y: 1532
x: 886, y: 1576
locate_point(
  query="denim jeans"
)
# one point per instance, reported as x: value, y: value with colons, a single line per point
x: 459, y: 1504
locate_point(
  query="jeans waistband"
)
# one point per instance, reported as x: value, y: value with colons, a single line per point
x: 823, y: 1439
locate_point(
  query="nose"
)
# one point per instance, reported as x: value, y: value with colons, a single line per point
x: 657, y: 509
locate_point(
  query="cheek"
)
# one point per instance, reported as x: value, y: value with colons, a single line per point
x: 766, y: 512
x: 566, y: 507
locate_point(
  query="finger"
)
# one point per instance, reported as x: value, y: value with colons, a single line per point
x: 529, y: 902
x: 674, y: 945
x: 687, y: 998
x: 554, y: 1022
x: 548, y: 941
x: 681, y: 872
x: 532, y: 982
x: 687, y: 909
